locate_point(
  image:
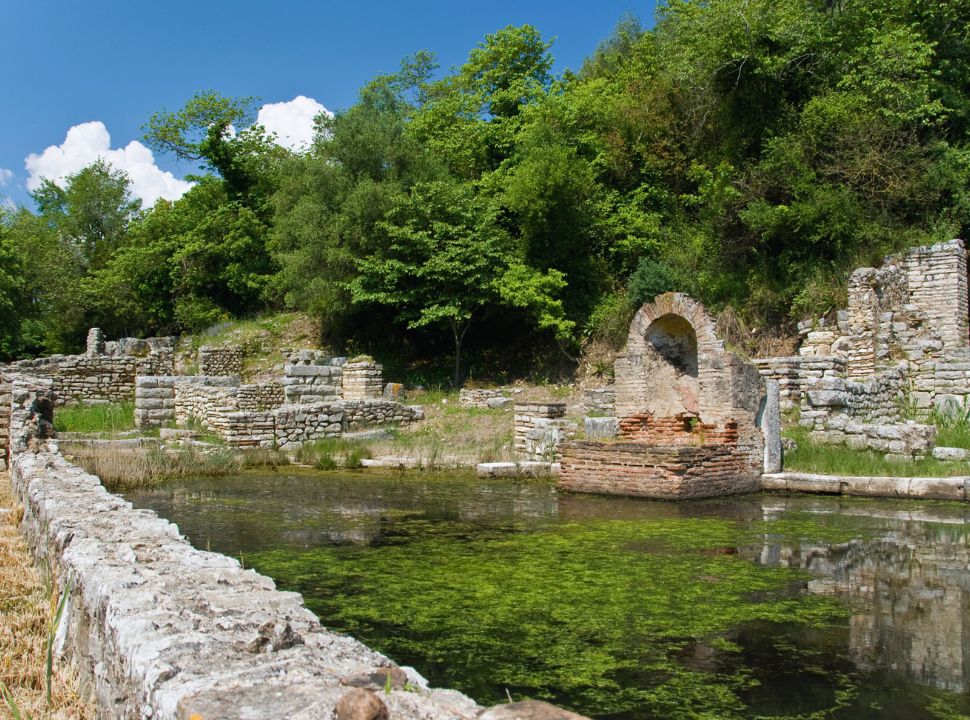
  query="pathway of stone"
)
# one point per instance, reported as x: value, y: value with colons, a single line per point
x: 25, y: 612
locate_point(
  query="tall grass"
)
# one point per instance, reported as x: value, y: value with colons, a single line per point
x: 125, y: 468
x: 813, y: 457
x: 101, y: 418
x: 331, y: 453
x: 952, y: 426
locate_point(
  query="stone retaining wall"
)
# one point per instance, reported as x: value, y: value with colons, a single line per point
x: 159, y: 629
x: 600, y: 402
x: 199, y: 398
x: 220, y: 360
x: 481, y: 397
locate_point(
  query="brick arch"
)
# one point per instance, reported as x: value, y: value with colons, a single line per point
x: 682, y: 306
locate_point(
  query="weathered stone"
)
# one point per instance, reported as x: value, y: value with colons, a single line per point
x: 949, y: 453
x: 528, y: 710
x: 597, y: 428
x: 360, y: 704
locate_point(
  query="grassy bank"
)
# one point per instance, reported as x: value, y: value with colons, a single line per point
x: 840, y: 460
x: 27, y: 606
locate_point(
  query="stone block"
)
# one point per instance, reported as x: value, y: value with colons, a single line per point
x: 598, y: 428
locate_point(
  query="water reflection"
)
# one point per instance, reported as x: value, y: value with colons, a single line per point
x: 907, y: 582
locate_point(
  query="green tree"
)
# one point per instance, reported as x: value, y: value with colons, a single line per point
x: 91, y: 212
x: 446, y: 260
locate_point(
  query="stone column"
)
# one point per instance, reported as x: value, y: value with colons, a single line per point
x: 770, y: 424
x: 95, y: 342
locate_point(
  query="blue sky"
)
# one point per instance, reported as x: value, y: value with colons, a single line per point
x: 70, y: 62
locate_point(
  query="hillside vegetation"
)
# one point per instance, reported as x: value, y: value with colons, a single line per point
x: 496, y: 218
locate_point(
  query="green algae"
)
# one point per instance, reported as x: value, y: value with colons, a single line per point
x: 617, y: 608
x: 598, y: 615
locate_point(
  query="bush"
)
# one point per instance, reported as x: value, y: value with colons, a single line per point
x: 651, y: 278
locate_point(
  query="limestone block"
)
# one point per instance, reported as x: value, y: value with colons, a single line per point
x: 949, y: 453
x: 601, y: 427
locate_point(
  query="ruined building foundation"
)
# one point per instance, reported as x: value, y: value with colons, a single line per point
x: 690, y: 414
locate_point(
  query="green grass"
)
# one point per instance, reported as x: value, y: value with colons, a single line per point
x: 108, y: 418
x: 840, y: 460
x: 952, y: 427
x: 331, y: 453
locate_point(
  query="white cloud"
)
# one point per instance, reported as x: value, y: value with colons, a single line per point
x: 291, y: 121
x: 89, y: 141
x: 5, y: 176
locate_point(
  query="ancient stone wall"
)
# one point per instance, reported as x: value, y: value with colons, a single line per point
x: 913, y: 310
x: 312, y: 383
x: 265, y: 396
x: 538, y: 430
x: 482, y: 398
x: 105, y: 377
x: 796, y: 374
x: 362, y: 380
x: 600, y: 402
x: 156, y: 628
x: 297, y: 424
x: 368, y: 413
x: 220, y: 360
x: 199, y: 398
x: 154, y: 400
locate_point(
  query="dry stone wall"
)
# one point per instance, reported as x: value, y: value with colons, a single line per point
x: 220, y: 360
x: 157, y: 629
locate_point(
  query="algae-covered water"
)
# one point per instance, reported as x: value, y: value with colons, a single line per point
x: 749, y: 607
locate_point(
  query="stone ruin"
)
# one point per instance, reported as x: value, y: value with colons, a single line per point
x: 317, y: 397
x: 899, y: 351
x: 690, y: 414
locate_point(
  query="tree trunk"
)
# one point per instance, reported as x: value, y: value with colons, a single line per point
x: 459, y: 338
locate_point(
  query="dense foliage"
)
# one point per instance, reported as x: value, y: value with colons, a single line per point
x: 750, y: 152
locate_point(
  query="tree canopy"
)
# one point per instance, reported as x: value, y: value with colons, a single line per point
x: 750, y: 152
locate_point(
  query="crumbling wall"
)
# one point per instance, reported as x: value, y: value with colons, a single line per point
x: 797, y: 374
x: 539, y: 429
x: 104, y: 373
x: 914, y: 311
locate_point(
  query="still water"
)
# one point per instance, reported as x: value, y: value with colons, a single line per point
x: 749, y: 607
